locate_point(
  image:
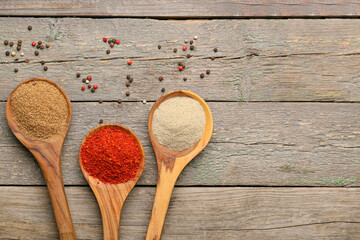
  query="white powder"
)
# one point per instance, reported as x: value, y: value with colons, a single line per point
x: 178, y: 123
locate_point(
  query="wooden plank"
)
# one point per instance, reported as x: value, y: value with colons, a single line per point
x: 182, y: 8
x: 257, y: 60
x: 194, y: 213
x: 304, y: 144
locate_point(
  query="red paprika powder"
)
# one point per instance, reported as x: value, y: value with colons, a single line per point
x: 111, y: 155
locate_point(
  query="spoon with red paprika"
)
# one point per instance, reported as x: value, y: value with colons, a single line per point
x: 170, y: 163
x: 112, y: 160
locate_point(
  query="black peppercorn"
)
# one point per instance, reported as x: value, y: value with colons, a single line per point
x: 84, y: 80
x: 16, y: 70
x: 175, y: 50
x: 202, y: 75
x: 7, y: 53
x: 29, y: 27
x: 180, y: 63
x: 36, y: 53
x: 101, y: 121
x: 47, y: 45
x: 92, y: 90
x: 215, y: 49
x: 159, y: 46
x: 6, y: 42
x: 42, y: 47
x: 38, y: 46
x: 192, y: 48
x: 161, y: 78
x: 188, y: 55
x: 127, y: 93
x: 42, y: 62
x: 119, y: 101
x: 45, y: 68
x: 113, y: 41
x: 20, y: 41
x: 128, y: 77
x: 212, y: 58
x: 89, y: 86
x: 18, y: 48
x: 78, y: 75
x: 207, y: 71
x: 39, y: 42
x: 109, y: 41
x: 112, y: 44
x: 11, y: 44
x: 108, y: 51
x: 100, y: 101
x: 127, y: 84
x: 191, y: 42
x: 131, y: 80
x: 185, y: 78
x: 163, y: 90
x: 19, y: 44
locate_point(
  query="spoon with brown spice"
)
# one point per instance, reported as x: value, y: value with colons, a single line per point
x: 38, y: 112
x: 170, y: 162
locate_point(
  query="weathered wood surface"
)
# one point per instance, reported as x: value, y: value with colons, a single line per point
x: 305, y: 144
x: 182, y: 8
x: 194, y: 213
x: 257, y: 60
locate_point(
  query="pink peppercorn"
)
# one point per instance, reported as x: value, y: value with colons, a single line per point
x: 105, y: 39
x: 95, y: 86
x: 181, y: 68
x: 118, y: 41
x: 184, y: 48
x: 33, y: 44
x: 89, y: 78
x: 83, y: 88
x: 129, y: 62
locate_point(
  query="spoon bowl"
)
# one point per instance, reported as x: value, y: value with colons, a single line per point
x: 48, y: 155
x: 111, y: 197
x: 170, y: 163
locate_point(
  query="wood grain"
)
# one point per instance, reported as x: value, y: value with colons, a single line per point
x: 257, y: 60
x: 287, y: 144
x: 194, y: 213
x: 182, y: 8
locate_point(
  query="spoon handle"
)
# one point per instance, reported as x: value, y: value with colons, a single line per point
x: 49, y: 162
x: 165, y: 185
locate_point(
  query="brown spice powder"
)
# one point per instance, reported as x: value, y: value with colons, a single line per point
x: 39, y: 109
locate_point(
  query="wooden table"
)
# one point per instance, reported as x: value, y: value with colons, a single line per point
x: 284, y: 89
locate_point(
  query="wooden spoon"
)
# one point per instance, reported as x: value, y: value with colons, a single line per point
x: 48, y: 156
x: 111, y: 197
x: 170, y: 163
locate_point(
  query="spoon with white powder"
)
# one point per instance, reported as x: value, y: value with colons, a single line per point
x: 180, y: 126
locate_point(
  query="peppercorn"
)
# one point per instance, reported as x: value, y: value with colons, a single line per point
x: 131, y: 80
x: 180, y: 63
x: 27, y: 60
x: 188, y: 55
x: 45, y: 68
x: 207, y: 71
x: 127, y: 84
x: 13, y: 53
x: 47, y: 45
x: 29, y: 27
x: 83, y: 88
x: 186, y: 41
x: 93, y: 90
x: 22, y: 54
x: 16, y: 70
x: 117, y: 42
x: 33, y: 44
x: 144, y: 101
x: 202, y: 75
x: 7, y: 53
x: 19, y: 41
x: 42, y: 47
x: 175, y: 50
x: 112, y: 44
x: 87, y: 81
x: 100, y: 101
x: 42, y: 62
x: 108, y: 51
x: 129, y: 62
x: 89, y: 86
x: 191, y: 42
x: 78, y: 75
x: 163, y: 89
x: 159, y: 46
x: 215, y: 49
x: 19, y: 44
x: 113, y: 41
x: 101, y: 121
x: 104, y: 39
x: 127, y: 93
x: 192, y: 47
x: 195, y: 37
x: 39, y: 42
x: 38, y: 46
x: 84, y: 80
x: 212, y: 58
x: 11, y: 44
x: 181, y: 68
x: 89, y: 78
x: 16, y: 59
x: 18, y: 48
x: 6, y: 42
x: 185, y: 78
x: 109, y: 41
x: 95, y: 86
x: 184, y: 48
x: 36, y: 53
x: 161, y: 78
x: 119, y: 101
x: 128, y: 77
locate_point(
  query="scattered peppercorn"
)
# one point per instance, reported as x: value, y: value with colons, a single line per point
x: 112, y: 44
x: 38, y: 46
x: 42, y: 47
x: 36, y: 53
x: 27, y: 60
x: 87, y: 81
x: 47, y: 45
x: 180, y: 63
x: 95, y: 86
x: 212, y: 58
x: 105, y: 39
x: 161, y: 78
x: 13, y: 53
x: 22, y: 54
x: 184, y: 48
x: 144, y: 101
x: 109, y: 41
x: 42, y: 62
x: 29, y: 27
x: 186, y: 41
x: 45, y: 68
x: 89, y: 86
x: 129, y: 62
x: 18, y: 48
x: 16, y: 59
x: 131, y: 80
x: 175, y: 50
x: 159, y: 46
x: 89, y: 78
x: 39, y: 42
x: 78, y: 75
x: 113, y: 41
x: 207, y: 71
x: 128, y: 77
x: 16, y: 70
x: 7, y: 53
x: 215, y: 49
x: 6, y: 42
x: 108, y: 51
x: 127, y: 84
x: 191, y: 42
x: 101, y: 121
x: 188, y: 55
x: 33, y: 44
x: 192, y: 47
x: 195, y: 37
x: 117, y: 42
x: 181, y: 68
x: 84, y: 80
x: 163, y: 89
x: 185, y: 78
x: 11, y: 44
x: 202, y: 75
x: 92, y: 90
x: 100, y: 101
x: 119, y: 101
x: 83, y: 88
x: 20, y: 41
x: 127, y: 93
